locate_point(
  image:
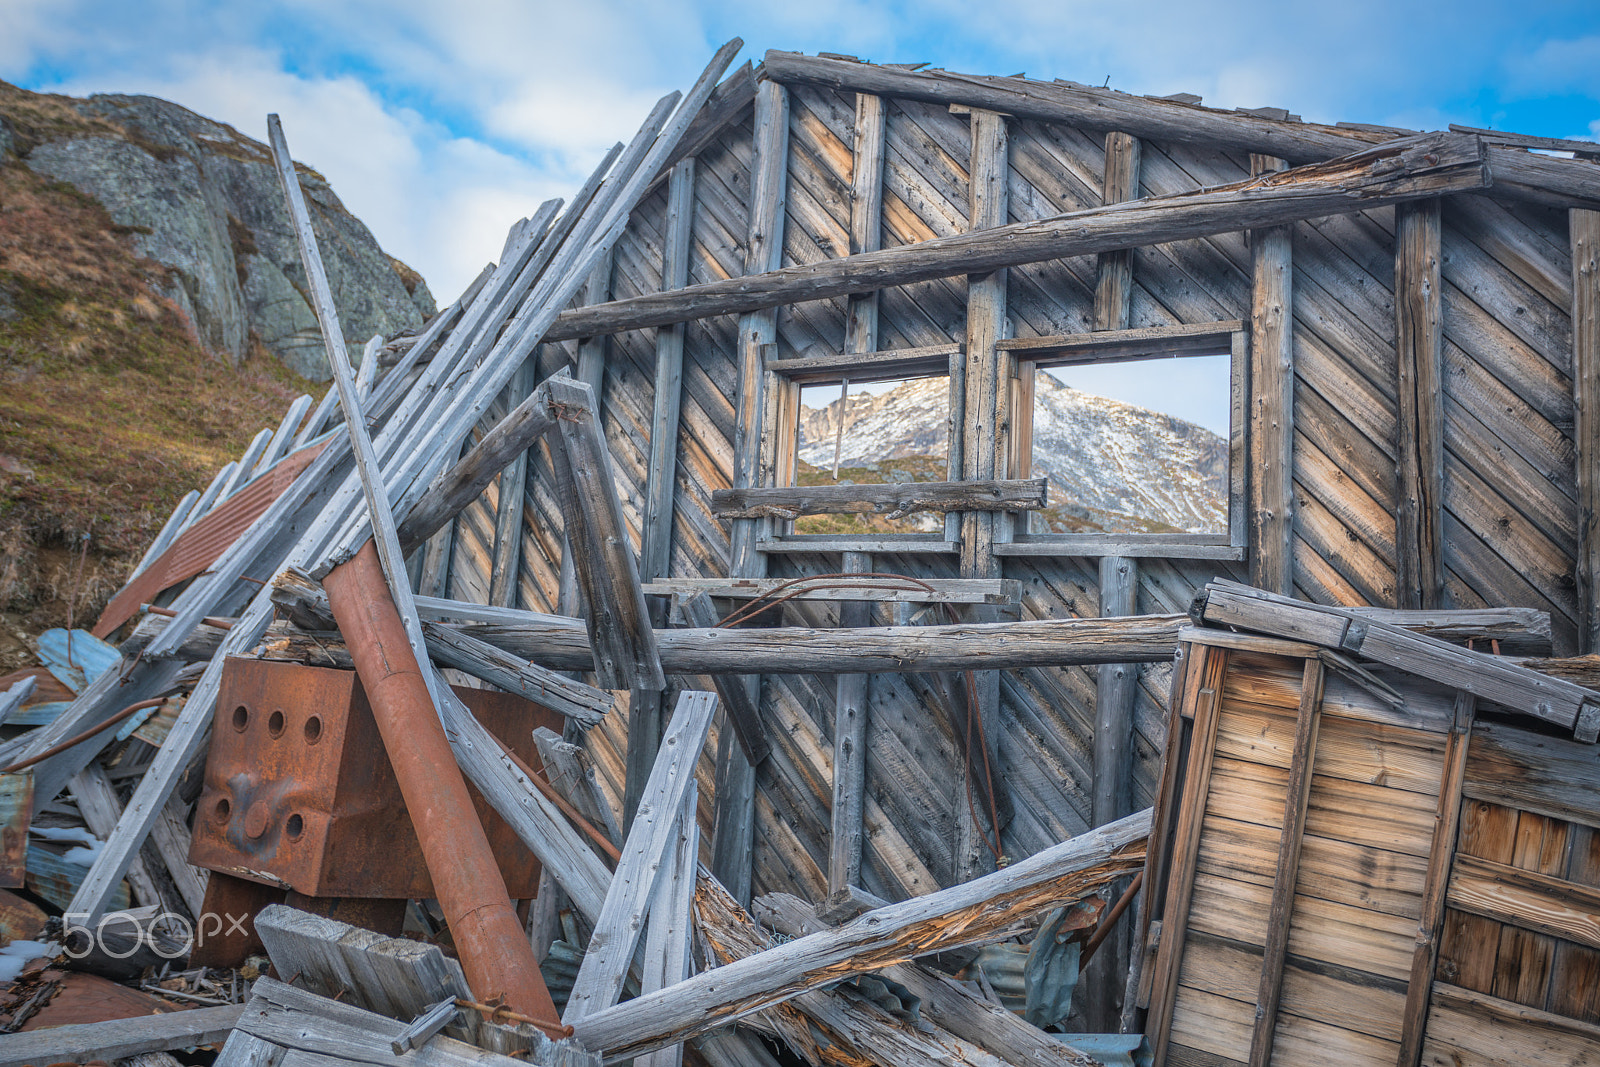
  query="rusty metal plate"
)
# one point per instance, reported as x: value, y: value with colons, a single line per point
x: 16, y: 811
x: 299, y: 792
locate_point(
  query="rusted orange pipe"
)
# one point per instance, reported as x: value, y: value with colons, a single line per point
x: 495, y: 952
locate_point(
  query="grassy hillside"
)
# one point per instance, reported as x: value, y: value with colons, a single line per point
x: 109, y: 409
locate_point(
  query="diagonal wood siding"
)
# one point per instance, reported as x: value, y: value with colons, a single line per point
x: 1510, y: 520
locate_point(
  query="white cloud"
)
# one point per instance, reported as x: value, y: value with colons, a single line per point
x: 1560, y: 66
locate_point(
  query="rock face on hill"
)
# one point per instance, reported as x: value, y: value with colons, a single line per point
x: 201, y: 199
x: 1112, y: 467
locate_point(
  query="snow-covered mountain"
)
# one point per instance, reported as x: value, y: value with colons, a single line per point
x: 1112, y: 466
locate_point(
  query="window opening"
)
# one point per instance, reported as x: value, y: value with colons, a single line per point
x: 1133, y: 445
x: 872, y: 433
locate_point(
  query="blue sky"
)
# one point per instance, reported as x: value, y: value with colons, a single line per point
x: 439, y: 124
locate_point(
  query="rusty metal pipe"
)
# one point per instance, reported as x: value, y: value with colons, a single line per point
x: 495, y: 952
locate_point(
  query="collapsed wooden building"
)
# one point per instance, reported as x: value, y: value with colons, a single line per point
x: 944, y: 700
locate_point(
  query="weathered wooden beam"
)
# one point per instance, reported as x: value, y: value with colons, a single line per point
x: 967, y: 914
x: 876, y: 590
x: 319, y: 1031
x: 661, y: 473
x: 866, y: 216
x: 1116, y: 688
x: 733, y: 812
x: 1409, y: 169
x: 1199, y: 700
x: 591, y: 371
x: 1080, y: 106
x: 1192, y: 339
x: 1271, y: 400
x: 1584, y: 236
x: 1435, y: 885
x: 741, y: 746
x: 1297, y: 798
x: 1487, y: 677
x: 619, y: 621
x: 797, y: 650
x: 946, y: 1003
x: 1419, y: 383
x: 758, y: 329
x: 1519, y: 631
x: 583, y: 704
x: 644, y: 857
x: 896, y: 499
x: 850, y: 710
x: 507, y: 558
x: 118, y: 1039
x: 670, y: 933
x: 1113, y: 291
x: 1560, y: 183
x: 98, y: 804
x: 567, y: 768
x: 980, y: 413
x: 743, y: 710
x: 460, y: 485
x: 885, y: 365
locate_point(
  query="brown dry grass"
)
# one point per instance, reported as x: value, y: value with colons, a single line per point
x: 109, y: 409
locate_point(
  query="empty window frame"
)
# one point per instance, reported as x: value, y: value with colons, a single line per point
x: 1141, y: 436
x: 873, y: 418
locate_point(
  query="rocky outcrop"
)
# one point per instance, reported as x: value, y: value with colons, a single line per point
x: 202, y: 200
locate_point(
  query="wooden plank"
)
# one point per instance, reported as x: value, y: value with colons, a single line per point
x: 567, y: 768
x: 1323, y: 930
x: 626, y: 656
x: 661, y: 475
x: 1526, y: 899
x: 1210, y: 673
x: 1575, y: 971
x: 508, y: 509
x: 1470, y: 1029
x: 583, y: 704
x: 333, y: 1032
x: 1296, y: 801
x: 979, y: 418
x: 904, y: 498
x: 866, y: 216
x: 885, y: 365
x: 644, y: 854
x: 459, y: 485
x: 1351, y: 1000
x: 1116, y: 689
x: 758, y: 330
x: 590, y: 370
x: 667, y: 938
x: 1111, y: 344
x: 1520, y: 769
x: 967, y: 914
x: 1584, y: 229
x: 876, y: 590
x: 1486, y: 677
x: 98, y: 804
x: 850, y: 710
x: 1075, y: 105
x: 1523, y: 966
x: 1355, y: 751
x: 742, y: 708
x: 1427, y: 165
x: 392, y: 976
x: 1271, y: 400
x: 1419, y: 375
x: 1113, y: 292
x: 117, y: 1039
x: 1425, y: 957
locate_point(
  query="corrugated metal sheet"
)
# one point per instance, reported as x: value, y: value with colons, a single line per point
x: 200, y: 545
